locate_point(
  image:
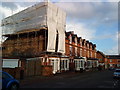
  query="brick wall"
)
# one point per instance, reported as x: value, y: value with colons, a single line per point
x: 24, y: 45
x: 15, y: 72
x: 47, y: 70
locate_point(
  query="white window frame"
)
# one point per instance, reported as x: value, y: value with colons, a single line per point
x: 75, y: 41
x: 90, y: 53
x: 76, y: 51
x: 70, y: 39
x: 70, y: 50
x: 81, y: 52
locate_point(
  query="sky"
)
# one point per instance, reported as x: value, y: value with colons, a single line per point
x: 93, y: 20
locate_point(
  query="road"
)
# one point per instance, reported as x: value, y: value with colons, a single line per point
x: 96, y: 79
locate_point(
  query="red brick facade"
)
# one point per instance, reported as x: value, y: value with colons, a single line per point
x: 113, y: 61
x: 76, y: 46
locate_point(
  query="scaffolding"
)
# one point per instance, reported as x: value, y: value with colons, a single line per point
x: 42, y: 17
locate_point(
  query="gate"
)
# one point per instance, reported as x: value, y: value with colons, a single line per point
x: 33, y: 67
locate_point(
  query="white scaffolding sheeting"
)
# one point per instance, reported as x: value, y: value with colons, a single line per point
x: 61, y: 30
x: 56, y: 19
x: 52, y: 23
x: 44, y: 14
x: 31, y: 18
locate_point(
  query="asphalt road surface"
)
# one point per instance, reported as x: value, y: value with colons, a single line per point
x: 96, y: 79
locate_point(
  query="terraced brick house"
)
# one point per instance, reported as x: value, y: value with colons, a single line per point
x: 113, y: 61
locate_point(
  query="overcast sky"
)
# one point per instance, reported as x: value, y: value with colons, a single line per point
x: 93, y: 20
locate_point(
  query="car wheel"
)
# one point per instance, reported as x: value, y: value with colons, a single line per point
x: 14, y: 87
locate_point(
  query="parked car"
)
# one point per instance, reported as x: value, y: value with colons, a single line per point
x: 111, y: 68
x: 116, y: 73
x: 8, y: 82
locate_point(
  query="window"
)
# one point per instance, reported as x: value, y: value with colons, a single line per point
x: 70, y: 39
x: 84, y: 52
x: 62, y: 64
x: 100, y: 59
x: 76, y: 64
x: 66, y: 63
x: 111, y: 65
x: 88, y: 46
x: 91, y: 54
x: 118, y: 60
x: 10, y: 63
x: 110, y: 60
x: 75, y: 41
x: 95, y: 55
x: 118, y: 65
x: 52, y: 62
x: 76, y: 51
x: 81, y: 63
x: 70, y: 50
x: 81, y: 52
x: 88, y: 63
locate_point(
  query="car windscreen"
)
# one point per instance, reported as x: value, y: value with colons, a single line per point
x: 6, y: 75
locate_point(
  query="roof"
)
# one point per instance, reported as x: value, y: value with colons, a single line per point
x: 101, y: 53
x: 90, y: 43
x: 87, y: 41
x: 113, y: 56
x: 75, y: 35
x: 67, y: 34
x: 94, y: 45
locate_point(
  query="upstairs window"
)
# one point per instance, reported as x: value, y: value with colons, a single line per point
x: 70, y: 39
x: 75, y: 41
x: 76, y: 51
x: 70, y: 50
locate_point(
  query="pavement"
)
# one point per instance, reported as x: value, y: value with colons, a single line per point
x: 32, y: 79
